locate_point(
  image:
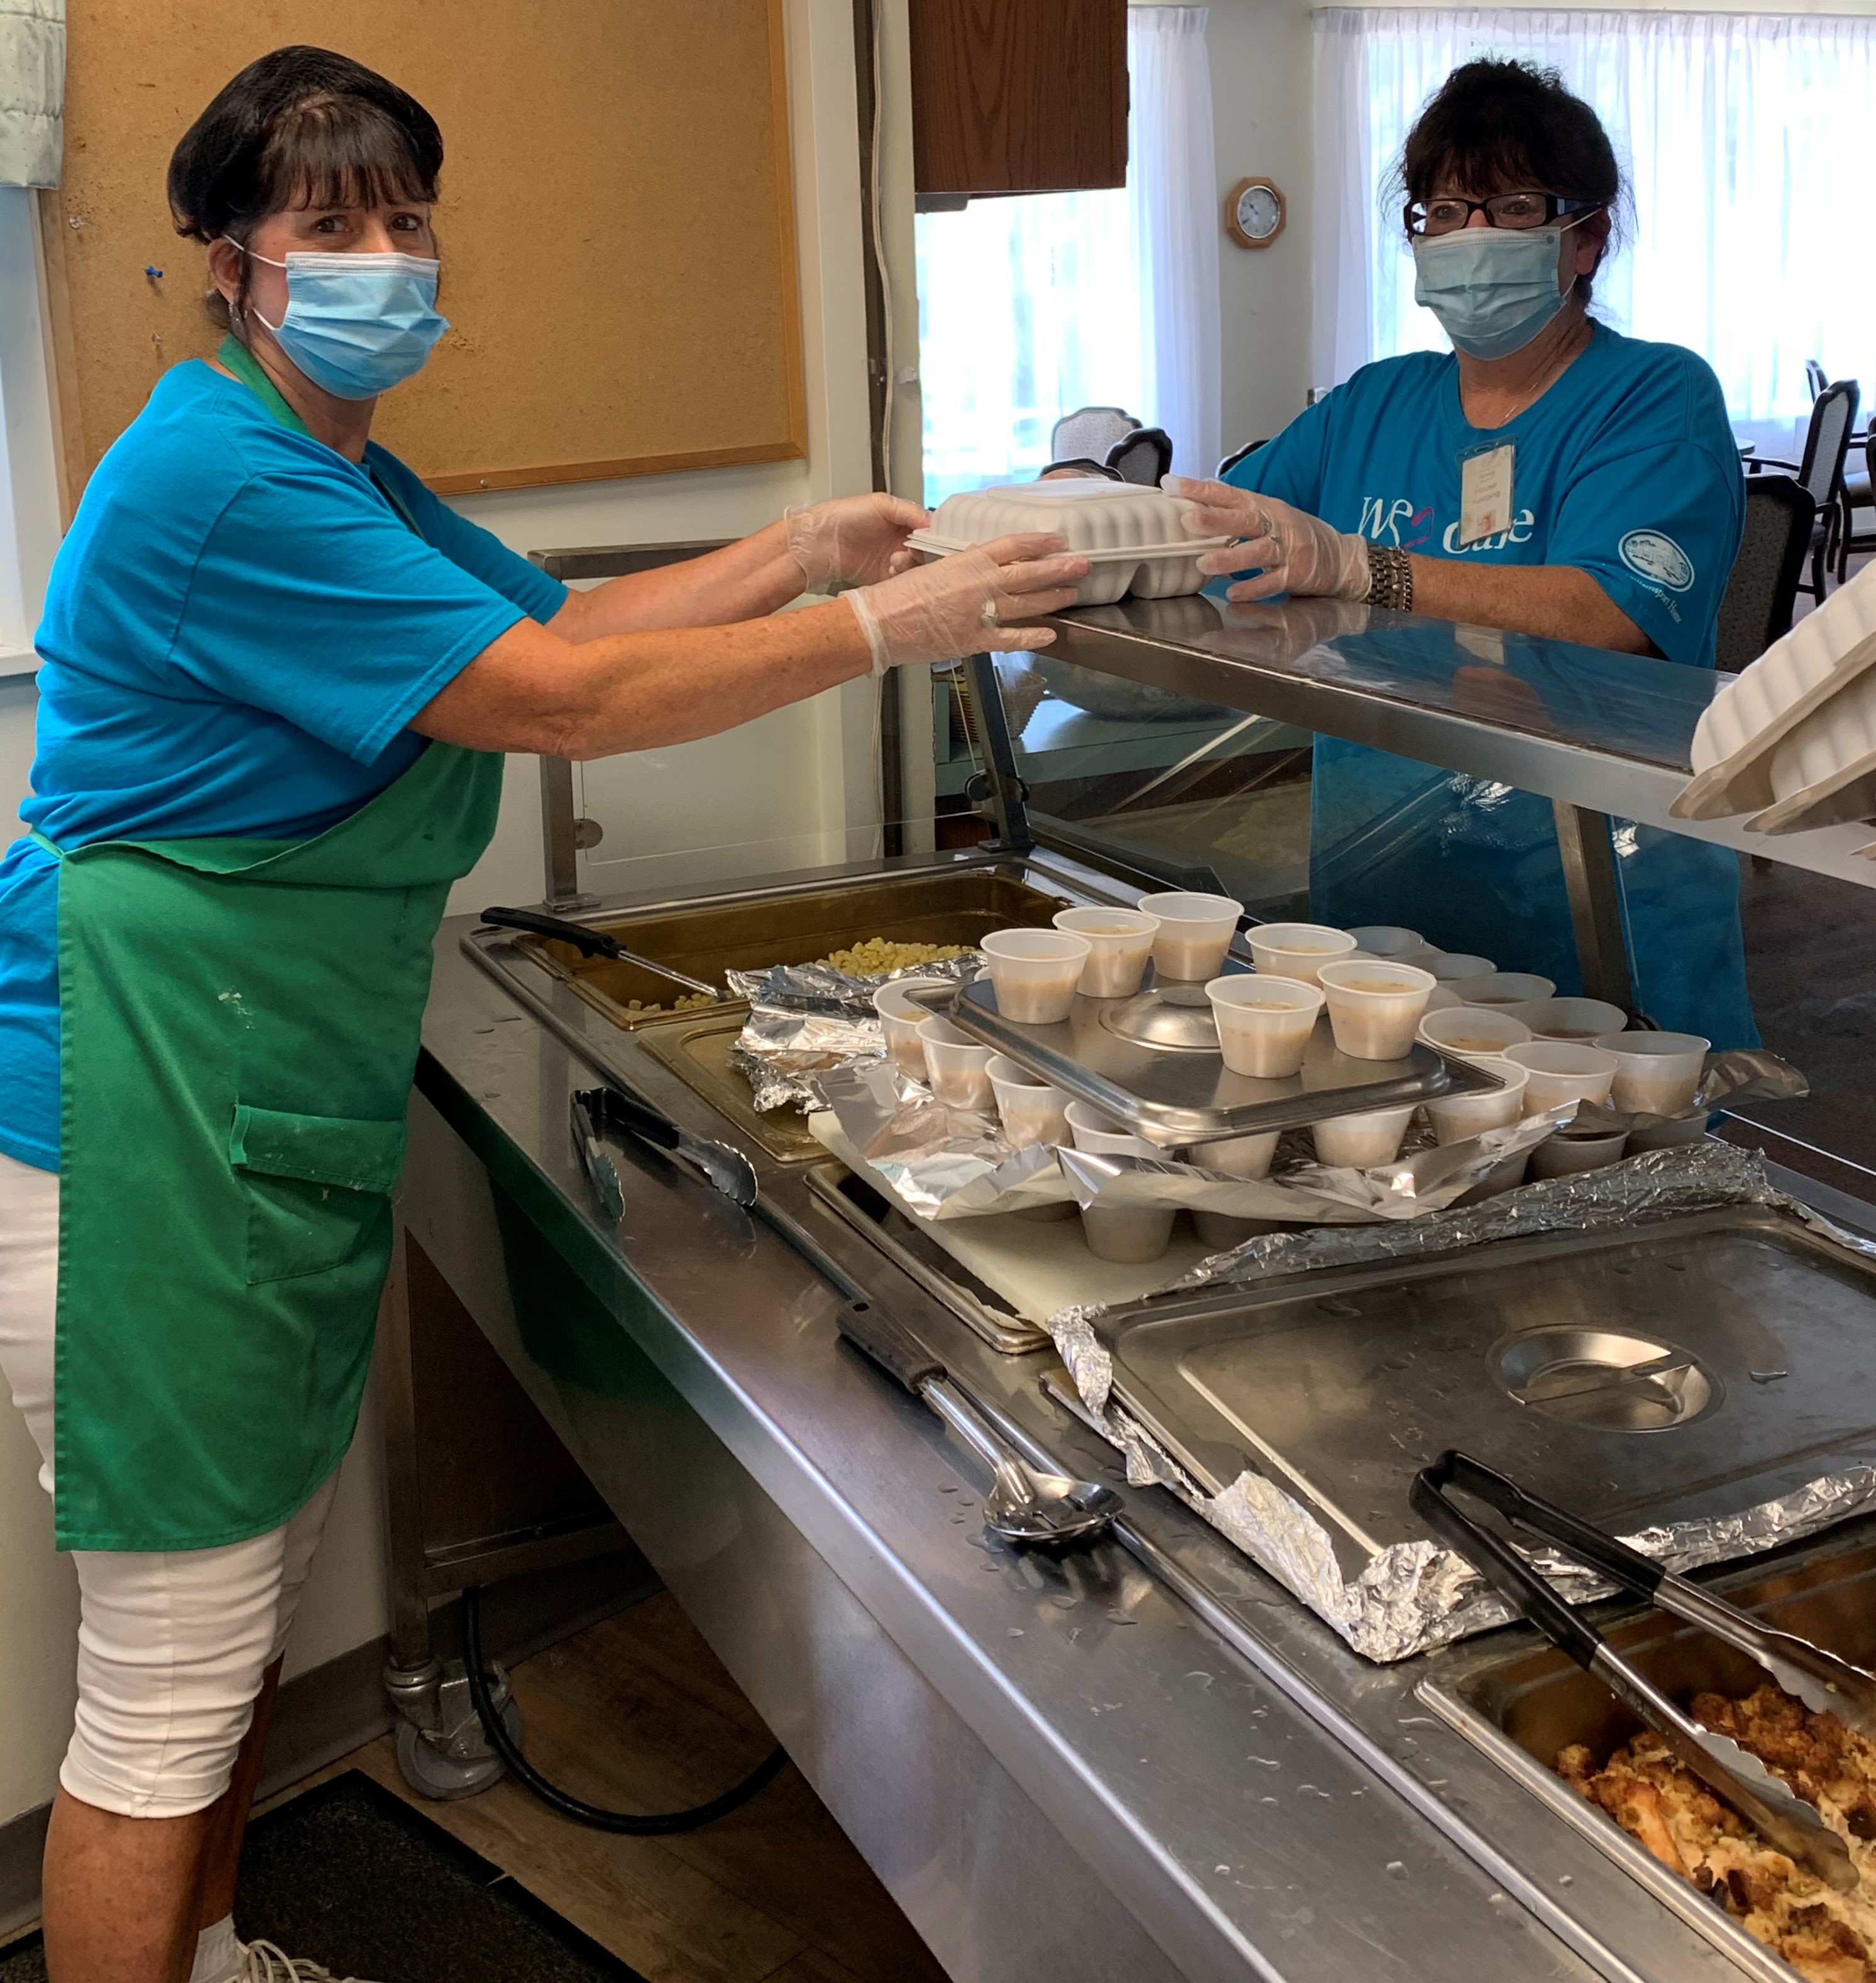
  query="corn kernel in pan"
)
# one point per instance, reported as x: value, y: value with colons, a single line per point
x: 879, y: 956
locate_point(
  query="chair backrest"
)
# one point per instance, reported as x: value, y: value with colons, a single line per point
x: 1826, y: 441
x: 1814, y: 377
x: 1243, y: 453
x: 1756, y: 607
x: 1090, y: 430
x: 1143, y: 456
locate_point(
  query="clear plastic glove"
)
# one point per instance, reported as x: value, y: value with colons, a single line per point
x: 852, y: 541
x: 1289, y: 550
x: 960, y: 604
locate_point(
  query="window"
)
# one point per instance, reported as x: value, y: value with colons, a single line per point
x: 1032, y: 305
x: 1744, y: 136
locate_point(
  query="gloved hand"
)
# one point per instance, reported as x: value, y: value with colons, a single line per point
x: 1290, y: 550
x: 855, y: 540
x: 957, y: 605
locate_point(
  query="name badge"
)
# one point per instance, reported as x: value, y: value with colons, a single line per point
x: 1484, y: 493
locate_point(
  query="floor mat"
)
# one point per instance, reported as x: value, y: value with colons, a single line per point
x: 351, y: 1876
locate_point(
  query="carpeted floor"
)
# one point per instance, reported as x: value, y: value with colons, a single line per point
x: 350, y: 1876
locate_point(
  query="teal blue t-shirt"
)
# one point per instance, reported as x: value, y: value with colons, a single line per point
x: 1625, y: 469
x: 238, y: 629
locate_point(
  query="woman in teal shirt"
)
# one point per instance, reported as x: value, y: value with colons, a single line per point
x: 1549, y: 476
x: 278, y: 677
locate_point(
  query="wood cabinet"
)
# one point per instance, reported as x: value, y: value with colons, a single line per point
x: 1018, y: 95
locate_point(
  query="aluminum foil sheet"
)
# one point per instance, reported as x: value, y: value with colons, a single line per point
x: 806, y: 1019
x: 1412, y: 1597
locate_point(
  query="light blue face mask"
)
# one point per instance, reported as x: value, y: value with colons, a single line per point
x: 1492, y: 288
x: 358, y: 325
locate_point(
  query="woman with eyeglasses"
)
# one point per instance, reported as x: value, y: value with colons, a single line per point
x: 1547, y: 476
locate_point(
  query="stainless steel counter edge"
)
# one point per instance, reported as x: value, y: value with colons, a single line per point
x: 1282, y: 688
x: 1151, y: 1748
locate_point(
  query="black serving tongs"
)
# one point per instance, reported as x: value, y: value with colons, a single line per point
x: 592, y: 943
x: 1733, y: 1774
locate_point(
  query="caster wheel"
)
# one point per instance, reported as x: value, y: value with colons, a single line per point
x: 442, y: 1778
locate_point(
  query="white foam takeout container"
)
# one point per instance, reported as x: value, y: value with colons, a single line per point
x: 1799, y: 675
x: 1132, y: 536
x: 1823, y: 770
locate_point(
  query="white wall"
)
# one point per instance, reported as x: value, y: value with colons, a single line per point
x: 810, y: 765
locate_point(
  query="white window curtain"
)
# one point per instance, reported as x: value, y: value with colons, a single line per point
x: 1032, y: 306
x: 1745, y: 139
x: 32, y: 88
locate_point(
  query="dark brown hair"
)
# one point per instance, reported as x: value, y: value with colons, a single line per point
x: 302, y: 127
x: 1501, y: 126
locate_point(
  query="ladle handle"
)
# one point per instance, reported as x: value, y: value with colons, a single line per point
x: 589, y: 942
x: 891, y: 1344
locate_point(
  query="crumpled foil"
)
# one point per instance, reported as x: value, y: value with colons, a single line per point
x: 807, y: 1018
x: 1411, y: 1597
x: 945, y: 1163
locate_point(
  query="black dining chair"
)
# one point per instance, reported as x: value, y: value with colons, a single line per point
x: 1761, y: 591
x: 1243, y: 453
x: 1814, y: 377
x: 1821, y: 474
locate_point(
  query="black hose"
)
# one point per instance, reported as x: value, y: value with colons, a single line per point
x: 563, y: 1801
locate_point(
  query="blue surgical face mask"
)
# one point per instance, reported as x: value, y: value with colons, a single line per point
x: 1492, y: 288
x: 358, y: 325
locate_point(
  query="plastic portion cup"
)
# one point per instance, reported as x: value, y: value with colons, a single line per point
x: 1473, y: 1033
x: 1671, y: 1134
x: 957, y: 1066
x: 1656, y: 1074
x: 1296, y: 950
x: 1564, y: 1156
x: 1372, y: 1138
x: 1561, y: 1072
x: 1194, y: 932
x: 1585, y: 1019
x: 1221, y: 1231
x: 1263, y: 1023
x: 1506, y: 987
x: 1032, y: 1111
x: 1442, y: 997
x: 1375, y: 1007
x: 1450, y: 967
x: 900, y: 1019
x: 1390, y: 940
x: 1456, y: 1117
x: 1120, y: 941
x: 1127, y: 1234
x: 1236, y: 1156
x: 1036, y: 972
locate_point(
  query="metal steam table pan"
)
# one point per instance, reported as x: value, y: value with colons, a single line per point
x: 1152, y: 1062
x: 1685, y: 1370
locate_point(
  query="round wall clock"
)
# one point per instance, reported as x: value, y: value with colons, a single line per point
x: 1254, y: 213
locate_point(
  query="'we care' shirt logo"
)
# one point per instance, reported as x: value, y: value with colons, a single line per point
x: 1409, y: 525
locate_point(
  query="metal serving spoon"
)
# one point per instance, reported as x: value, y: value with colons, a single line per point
x: 593, y: 943
x: 1027, y: 1506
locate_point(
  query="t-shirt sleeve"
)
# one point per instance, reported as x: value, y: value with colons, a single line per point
x: 1290, y: 468
x: 477, y: 551
x: 312, y: 599
x: 1654, y: 517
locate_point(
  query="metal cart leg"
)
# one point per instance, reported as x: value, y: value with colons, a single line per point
x: 1595, y: 905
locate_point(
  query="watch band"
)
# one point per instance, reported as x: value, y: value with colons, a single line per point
x: 1390, y: 578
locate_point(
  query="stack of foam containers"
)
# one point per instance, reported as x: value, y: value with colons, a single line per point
x: 1792, y: 740
x: 1134, y: 537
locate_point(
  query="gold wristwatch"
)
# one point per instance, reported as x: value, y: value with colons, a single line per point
x: 1390, y: 578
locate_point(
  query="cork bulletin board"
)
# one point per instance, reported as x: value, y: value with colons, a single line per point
x: 616, y: 226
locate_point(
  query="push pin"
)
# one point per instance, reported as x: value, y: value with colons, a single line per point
x: 154, y: 273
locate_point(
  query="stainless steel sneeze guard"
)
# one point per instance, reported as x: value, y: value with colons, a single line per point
x: 1184, y: 1097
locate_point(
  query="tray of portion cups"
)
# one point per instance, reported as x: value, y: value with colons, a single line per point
x: 1142, y: 1017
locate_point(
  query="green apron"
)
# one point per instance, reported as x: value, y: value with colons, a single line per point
x: 239, y: 1022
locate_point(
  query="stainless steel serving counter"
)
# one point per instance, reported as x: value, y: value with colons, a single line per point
x: 1607, y: 732
x: 1057, y: 1769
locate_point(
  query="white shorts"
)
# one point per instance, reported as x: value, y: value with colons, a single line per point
x: 172, y: 1644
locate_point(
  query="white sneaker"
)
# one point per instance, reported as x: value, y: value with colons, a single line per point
x: 264, y: 1962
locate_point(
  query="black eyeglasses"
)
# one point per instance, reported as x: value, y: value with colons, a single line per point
x: 1503, y: 210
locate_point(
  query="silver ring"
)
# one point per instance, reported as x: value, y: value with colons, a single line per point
x: 989, y: 615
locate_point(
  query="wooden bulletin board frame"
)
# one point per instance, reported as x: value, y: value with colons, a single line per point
x: 617, y: 225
